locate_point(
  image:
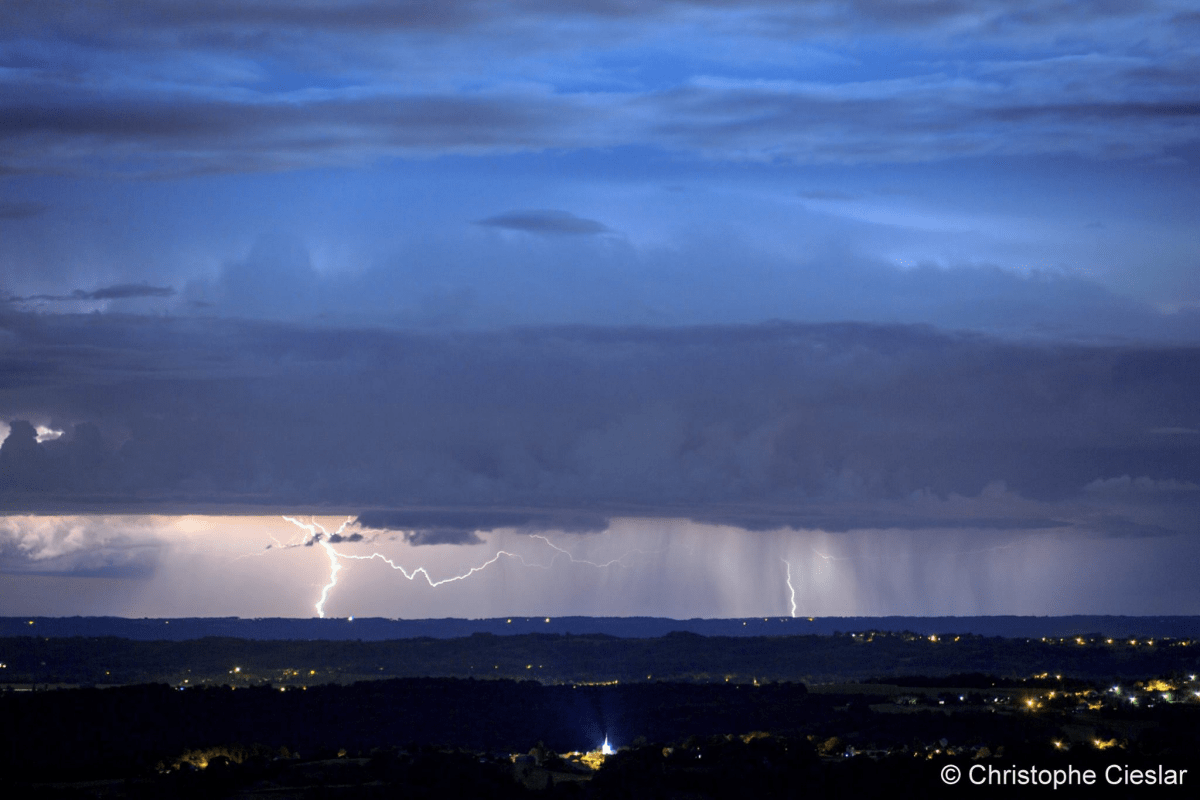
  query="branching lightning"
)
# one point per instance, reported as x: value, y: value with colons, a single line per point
x: 436, y: 583
x: 318, y: 534
x: 574, y: 560
x: 322, y: 538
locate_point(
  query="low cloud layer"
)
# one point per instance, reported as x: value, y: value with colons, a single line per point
x: 78, y: 546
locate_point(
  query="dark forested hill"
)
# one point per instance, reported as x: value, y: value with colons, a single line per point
x: 553, y: 658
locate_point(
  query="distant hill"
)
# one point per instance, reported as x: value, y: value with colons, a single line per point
x: 378, y: 629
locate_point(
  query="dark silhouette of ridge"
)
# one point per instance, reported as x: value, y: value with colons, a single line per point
x: 379, y: 629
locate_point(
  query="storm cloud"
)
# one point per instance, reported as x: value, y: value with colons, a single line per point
x: 834, y: 426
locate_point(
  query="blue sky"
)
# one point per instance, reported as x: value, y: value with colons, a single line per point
x: 827, y: 268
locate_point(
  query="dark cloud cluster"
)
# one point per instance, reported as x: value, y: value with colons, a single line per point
x: 834, y: 426
x: 462, y: 526
x: 818, y: 124
x: 142, y: 136
x: 545, y: 222
x: 120, y: 291
x: 333, y: 538
x: 178, y: 137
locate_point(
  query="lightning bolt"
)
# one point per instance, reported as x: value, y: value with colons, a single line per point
x: 436, y: 583
x: 620, y: 561
x: 318, y: 534
x: 335, y: 566
x: 277, y: 544
x: 791, y: 589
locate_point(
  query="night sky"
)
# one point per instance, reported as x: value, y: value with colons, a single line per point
x: 687, y: 308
